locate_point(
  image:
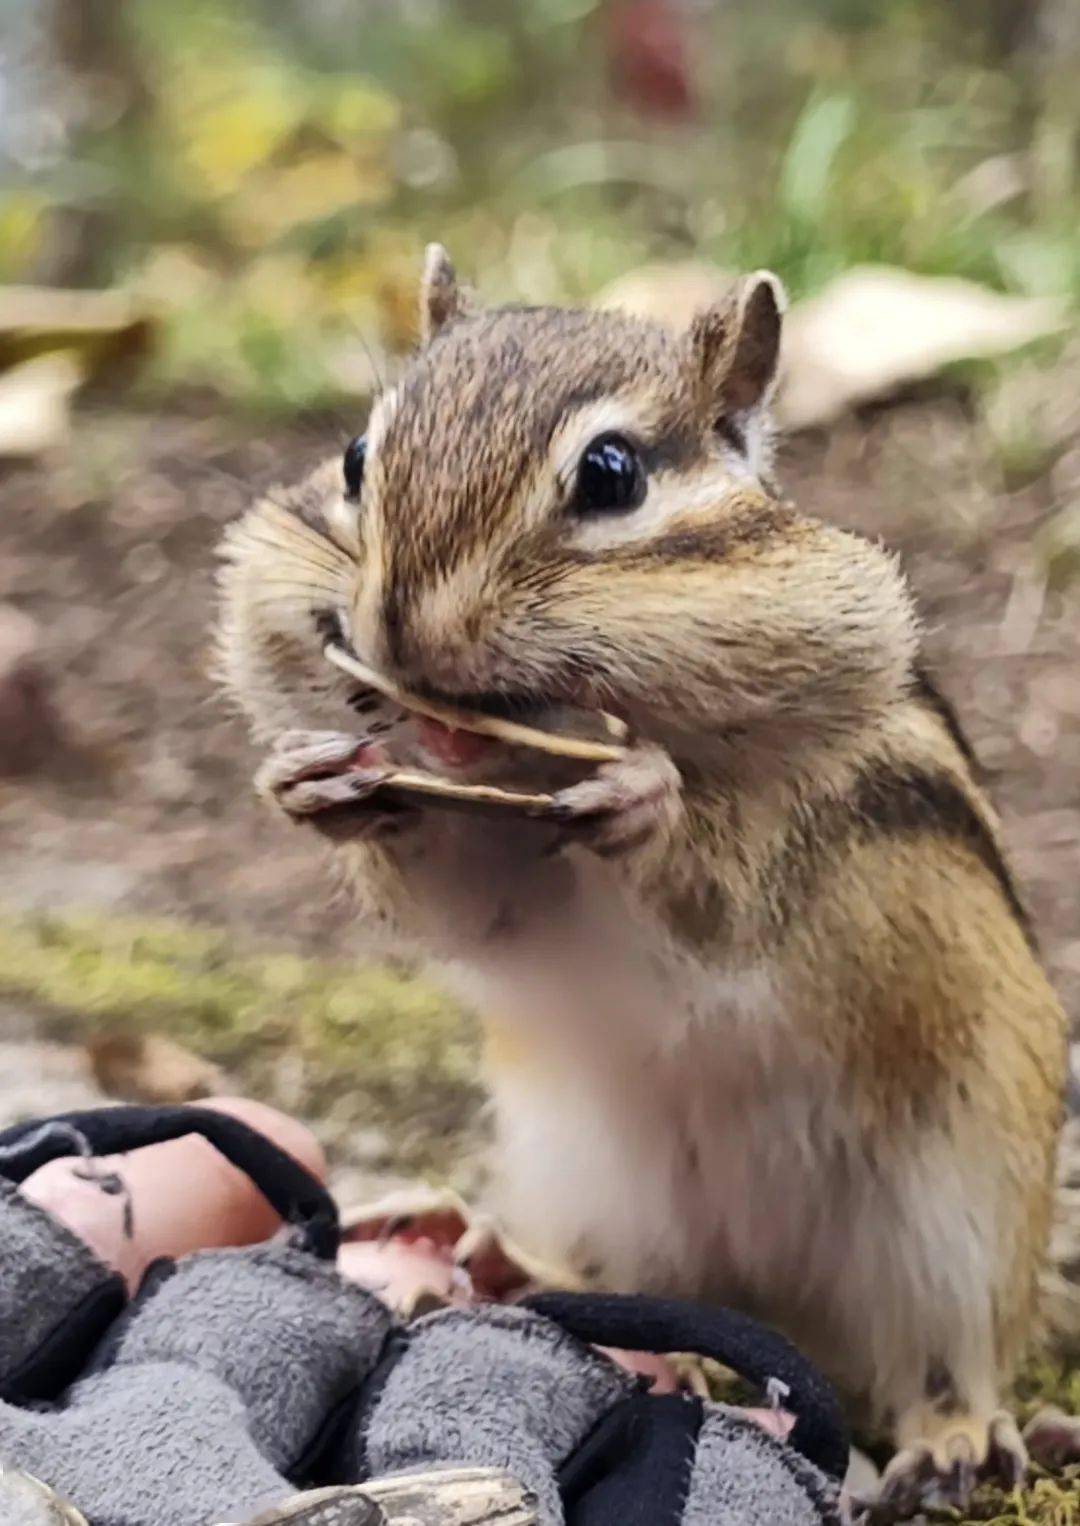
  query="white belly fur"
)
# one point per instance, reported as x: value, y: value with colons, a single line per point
x: 667, y: 1127
x: 649, y: 1129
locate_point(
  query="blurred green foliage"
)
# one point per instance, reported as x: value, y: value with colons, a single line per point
x: 274, y: 169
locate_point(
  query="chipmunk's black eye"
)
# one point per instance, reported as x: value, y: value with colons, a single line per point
x: 353, y: 466
x: 611, y: 478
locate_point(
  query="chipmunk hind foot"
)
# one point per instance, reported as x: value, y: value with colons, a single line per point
x: 947, y: 1457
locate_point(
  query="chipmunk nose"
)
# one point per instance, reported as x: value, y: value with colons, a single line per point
x: 434, y: 636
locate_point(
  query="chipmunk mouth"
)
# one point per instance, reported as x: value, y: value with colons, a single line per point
x: 460, y: 730
x: 500, y: 704
x: 459, y: 748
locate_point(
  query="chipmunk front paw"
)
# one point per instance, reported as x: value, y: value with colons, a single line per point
x: 328, y: 779
x: 624, y: 805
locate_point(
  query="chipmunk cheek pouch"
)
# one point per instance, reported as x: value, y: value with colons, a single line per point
x: 258, y: 1384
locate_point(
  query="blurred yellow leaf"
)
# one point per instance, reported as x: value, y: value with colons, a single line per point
x: 360, y: 107
x: 399, y: 307
x: 377, y: 290
x: 281, y: 288
x: 21, y: 224
x: 176, y: 276
x: 50, y: 341
x: 35, y: 403
x: 98, y: 326
x: 668, y: 294
x: 231, y: 130
x: 276, y: 200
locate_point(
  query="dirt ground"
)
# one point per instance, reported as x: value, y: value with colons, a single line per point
x: 146, y: 807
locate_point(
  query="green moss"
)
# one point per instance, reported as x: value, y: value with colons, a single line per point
x: 1046, y: 1502
x: 1045, y: 1381
x: 374, y: 1045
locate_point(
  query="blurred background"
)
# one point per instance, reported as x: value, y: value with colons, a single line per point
x: 265, y: 172
x: 211, y: 222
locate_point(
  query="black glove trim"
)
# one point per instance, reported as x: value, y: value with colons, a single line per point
x: 59, y: 1358
x: 636, y: 1464
x: 753, y: 1351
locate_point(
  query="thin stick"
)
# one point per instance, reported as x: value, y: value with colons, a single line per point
x: 407, y: 782
x: 415, y: 783
x: 485, y: 725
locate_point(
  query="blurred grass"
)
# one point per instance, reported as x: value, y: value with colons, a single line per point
x: 272, y: 176
x: 377, y: 1045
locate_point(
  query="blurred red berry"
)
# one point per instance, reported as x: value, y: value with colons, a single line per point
x: 649, y: 57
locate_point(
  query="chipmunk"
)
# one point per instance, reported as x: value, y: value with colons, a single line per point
x: 766, y: 1024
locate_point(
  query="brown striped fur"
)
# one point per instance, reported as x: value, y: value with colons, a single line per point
x: 842, y: 1097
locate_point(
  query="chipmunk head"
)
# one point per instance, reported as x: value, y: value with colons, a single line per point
x: 525, y: 449
x: 571, y: 506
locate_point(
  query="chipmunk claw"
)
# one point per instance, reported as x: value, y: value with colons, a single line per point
x: 624, y: 804
x: 942, y: 1474
x: 485, y: 1264
x: 327, y: 778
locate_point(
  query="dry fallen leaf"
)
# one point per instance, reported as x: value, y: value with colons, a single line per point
x: 50, y: 342
x: 870, y: 331
x: 35, y: 399
x: 875, y: 328
x: 669, y: 294
x: 150, y: 1068
x: 96, y: 326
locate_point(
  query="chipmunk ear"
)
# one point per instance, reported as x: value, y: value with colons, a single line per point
x: 441, y: 298
x: 736, y: 345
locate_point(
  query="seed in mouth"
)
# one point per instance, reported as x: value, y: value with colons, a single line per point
x: 454, y: 748
x: 513, y: 732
